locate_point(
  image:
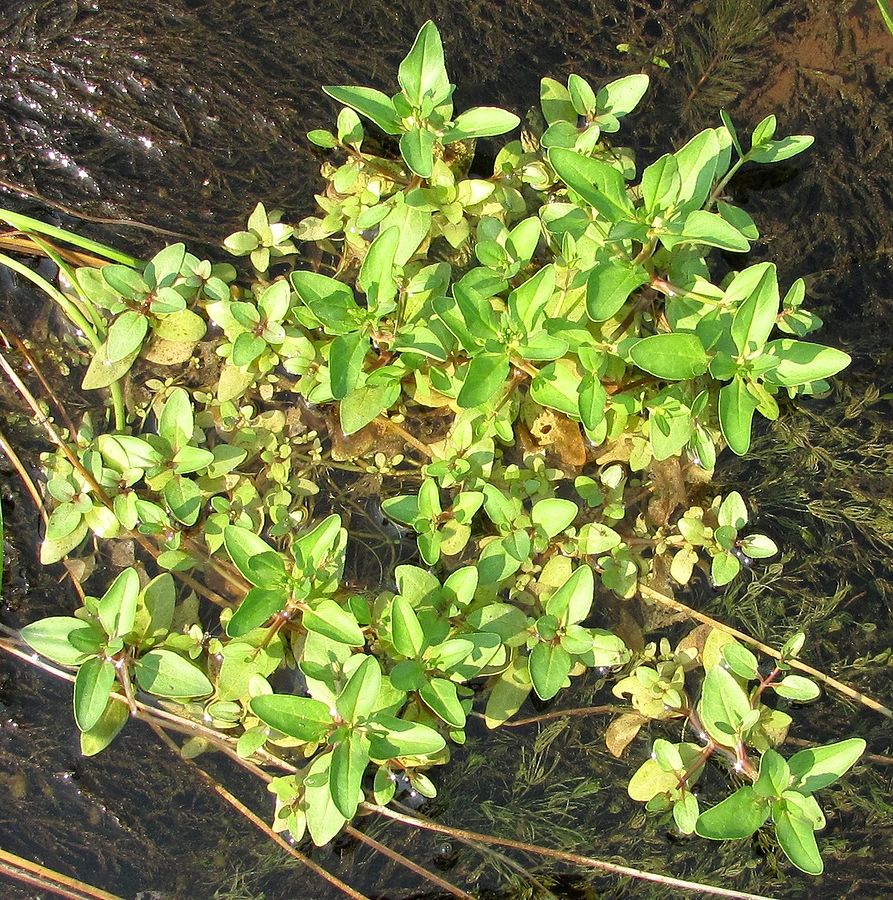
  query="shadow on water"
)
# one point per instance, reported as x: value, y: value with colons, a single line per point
x: 183, y: 114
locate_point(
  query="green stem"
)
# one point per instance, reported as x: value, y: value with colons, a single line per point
x: 714, y: 196
x: 26, y: 224
x: 77, y: 318
x: 79, y: 298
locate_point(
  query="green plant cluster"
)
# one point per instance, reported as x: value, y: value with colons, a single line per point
x: 551, y: 337
x: 731, y: 719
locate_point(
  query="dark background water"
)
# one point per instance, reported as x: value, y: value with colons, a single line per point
x: 183, y: 113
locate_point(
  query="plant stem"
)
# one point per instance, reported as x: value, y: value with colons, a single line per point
x: 26, y: 224
x: 400, y: 859
x: 259, y: 823
x: 561, y: 714
x: 575, y: 858
x: 28, y: 872
x: 25, y: 353
x: 717, y: 191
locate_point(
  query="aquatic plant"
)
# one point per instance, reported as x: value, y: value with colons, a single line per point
x: 541, y: 366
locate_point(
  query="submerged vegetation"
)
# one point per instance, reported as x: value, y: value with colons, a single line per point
x: 536, y: 367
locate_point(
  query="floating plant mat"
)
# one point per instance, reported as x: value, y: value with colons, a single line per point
x: 551, y: 781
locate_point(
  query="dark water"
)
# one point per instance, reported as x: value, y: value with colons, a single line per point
x: 184, y: 114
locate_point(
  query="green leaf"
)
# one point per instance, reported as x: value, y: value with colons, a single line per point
x: 406, y: 631
x: 503, y: 557
x: 322, y: 138
x: 600, y: 185
x: 94, y: 740
x: 755, y: 318
x: 92, y: 686
x: 572, y: 602
x: 392, y: 737
x: 376, y: 278
x: 702, y: 227
x: 412, y: 227
x: 324, y: 820
x: 697, y: 163
x: 733, y: 132
x: 886, y: 11
x: 581, y: 95
x: 685, y: 813
x: 796, y: 837
x: 331, y: 301
x: 796, y: 687
x: 800, y: 362
x: 417, y: 150
x: 723, y: 705
x: 593, y: 401
x: 527, y: 302
x: 736, y: 408
x: 184, y: 326
x: 775, y: 776
x: 328, y: 618
x: 259, y: 605
x: 556, y: 386
x: 549, y: 668
x: 758, y: 546
x: 176, y: 422
x: 125, y: 280
x: 360, y: 695
x: 511, y: 689
x: 740, y: 660
x: 553, y: 515
x: 422, y: 72
x: 233, y: 383
x: 117, y: 607
x: 486, y: 373
x: 247, y: 347
x: 241, y: 544
x: 126, y: 335
x: 346, y: 357
x: 192, y: 459
x: 609, y: 286
x: 167, y: 674
x: 777, y: 151
x: 63, y: 520
x: 313, y: 549
x: 652, y: 779
x: 63, y: 639
x: 523, y: 240
x: 764, y: 131
x: 370, y: 103
x: 102, y: 371
x: 349, y: 761
x: 364, y: 404
x: 621, y: 97
x: 556, y: 103
x: 724, y: 568
x: 302, y: 718
x: 184, y: 497
x: 818, y: 767
x: 736, y: 817
x: 674, y: 357
x: 596, y: 538
x: 439, y: 695
x: 241, y: 664
x: 661, y: 185
x: 162, y: 270
x: 481, y: 121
